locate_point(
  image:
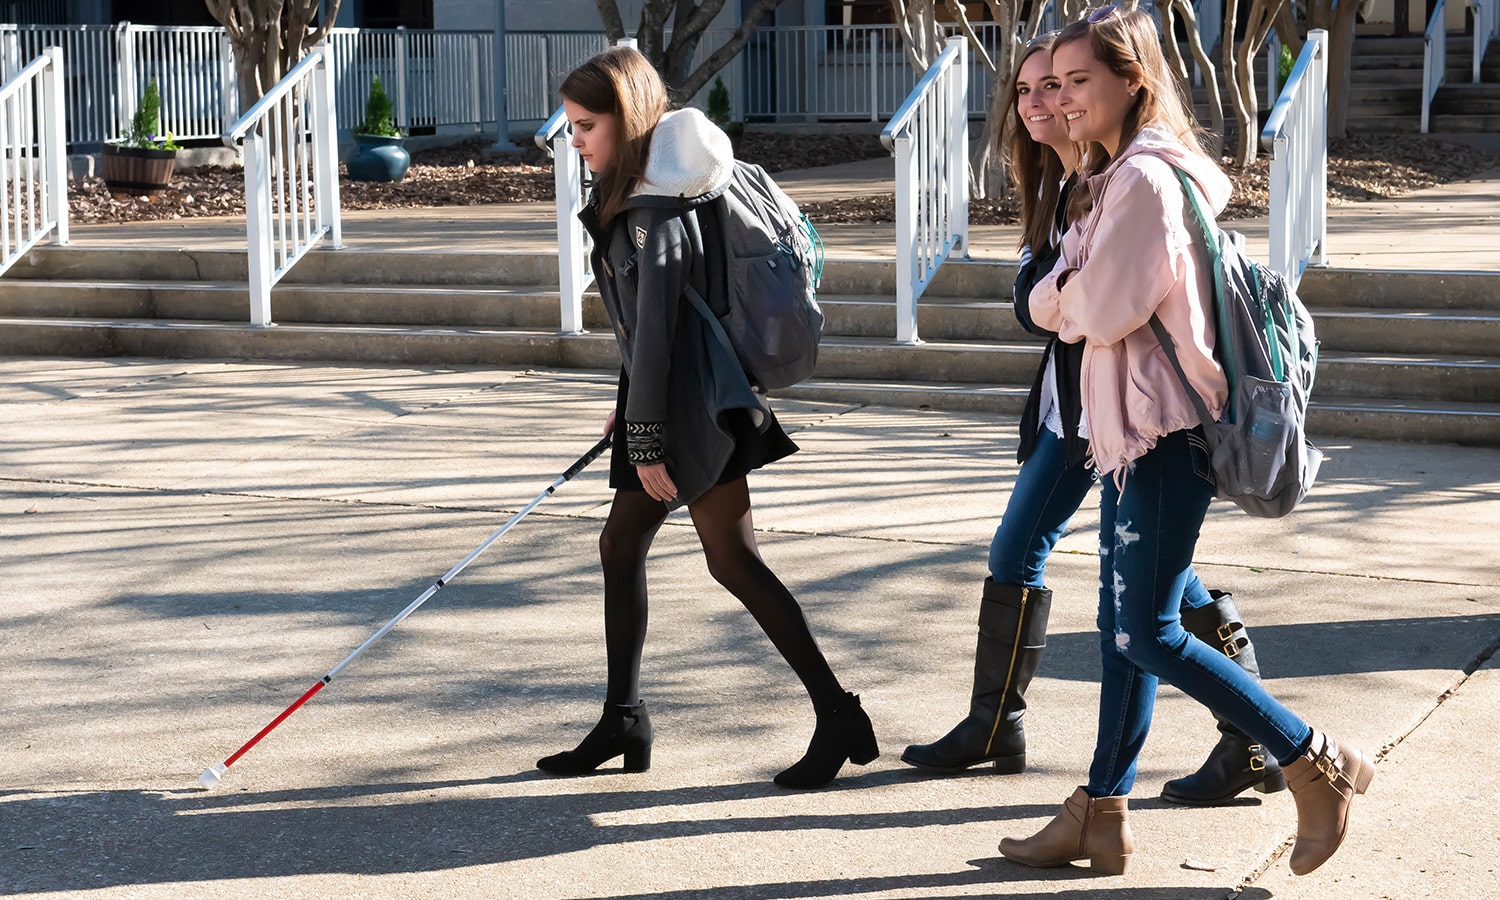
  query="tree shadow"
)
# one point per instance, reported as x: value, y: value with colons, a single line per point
x: 63, y: 841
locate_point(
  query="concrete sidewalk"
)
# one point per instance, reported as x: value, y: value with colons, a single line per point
x: 190, y: 545
x: 1453, y: 227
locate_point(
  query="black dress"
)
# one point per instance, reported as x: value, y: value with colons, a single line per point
x: 752, y: 448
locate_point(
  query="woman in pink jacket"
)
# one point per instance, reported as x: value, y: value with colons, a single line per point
x: 1129, y: 256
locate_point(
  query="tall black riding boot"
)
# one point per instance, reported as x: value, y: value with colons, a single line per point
x: 1012, y: 636
x: 1236, y: 763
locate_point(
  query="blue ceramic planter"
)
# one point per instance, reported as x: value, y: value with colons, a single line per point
x: 378, y: 159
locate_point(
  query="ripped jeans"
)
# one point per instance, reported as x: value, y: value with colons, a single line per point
x: 1048, y: 490
x: 1146, y: 538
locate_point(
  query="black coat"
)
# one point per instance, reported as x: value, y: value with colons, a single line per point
x: 679, y: 373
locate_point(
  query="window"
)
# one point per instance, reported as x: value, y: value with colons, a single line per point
x: 395, y: 13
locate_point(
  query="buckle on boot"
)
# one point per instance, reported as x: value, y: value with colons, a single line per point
x: 1328, y: 767
x: 1231, y: 649
x: 1257, y: 758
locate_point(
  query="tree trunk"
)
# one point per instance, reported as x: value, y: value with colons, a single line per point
x: 1340, y: 66
x: 1210, y: 75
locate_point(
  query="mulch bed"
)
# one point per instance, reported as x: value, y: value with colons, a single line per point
x: 1360, y: 168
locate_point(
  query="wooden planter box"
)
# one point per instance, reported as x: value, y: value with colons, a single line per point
x: 137, y: 170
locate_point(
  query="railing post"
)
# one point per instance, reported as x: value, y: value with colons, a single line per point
x: 55, y: 141
x: 958, y: 146
x: 228, y: 83
x: 11, y: 48
x: 124, y: 76
x: 572, y: 249
x: 325, y: 149
x: 874, y: 75
x: 258, y: 222
x: 402, y: 56
x: 1319, y: 141
x: 906, y: 242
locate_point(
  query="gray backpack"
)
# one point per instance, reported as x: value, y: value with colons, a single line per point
x: 1262, y: 459
x: 774, y: 256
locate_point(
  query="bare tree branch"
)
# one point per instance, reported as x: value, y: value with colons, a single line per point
x: 609, y: 14
x: 721, y: 57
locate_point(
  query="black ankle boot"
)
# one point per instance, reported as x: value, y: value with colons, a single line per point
x: 1012, y: 636
x: 1236, y: 763
x: 842, y: 733
x: 621, y: 730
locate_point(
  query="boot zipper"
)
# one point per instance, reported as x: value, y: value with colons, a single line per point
x: 1010, y: 671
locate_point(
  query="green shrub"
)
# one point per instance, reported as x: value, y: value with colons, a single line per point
x: 719, y: 111
x: 380, y: 114
x: 145, y: 125
x: 1284, y: 65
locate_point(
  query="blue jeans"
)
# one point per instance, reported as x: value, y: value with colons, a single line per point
x: 1146, y: 538
x: 1047, y: 492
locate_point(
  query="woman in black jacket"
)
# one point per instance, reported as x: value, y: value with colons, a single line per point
x: 692, y: 427
x: 1056, y: 474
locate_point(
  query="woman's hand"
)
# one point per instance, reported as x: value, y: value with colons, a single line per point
x: 657, y: 482
x: 609, y: 424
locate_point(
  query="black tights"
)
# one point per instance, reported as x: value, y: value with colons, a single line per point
x: 722, y: 519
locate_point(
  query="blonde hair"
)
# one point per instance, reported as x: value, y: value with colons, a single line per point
x: 1128, y: 45
x: 620, y: 82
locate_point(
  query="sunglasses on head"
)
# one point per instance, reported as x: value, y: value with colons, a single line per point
x: 1101, y: 14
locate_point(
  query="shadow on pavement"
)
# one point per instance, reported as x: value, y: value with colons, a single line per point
x: 76, y: 841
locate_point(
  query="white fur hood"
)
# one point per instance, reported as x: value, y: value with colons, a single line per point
x: 690, y: 156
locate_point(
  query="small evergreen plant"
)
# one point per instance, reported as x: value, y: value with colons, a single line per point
x: 1284, y: 65
x: 380, y: 115
x: 145, y: 125
x: 719, y: 110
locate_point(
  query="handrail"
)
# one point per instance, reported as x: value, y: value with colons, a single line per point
x: 17, y: 81
x: 1296, y: 136
x: 929, y: 136
x: 33, y: 142
x: 251, y: 117
x: 1435, y: 58
x: 1486, y: 29
x: 291, y: 189
x: 573, y: 245
x: 909, y: 106
x: 556, y: 123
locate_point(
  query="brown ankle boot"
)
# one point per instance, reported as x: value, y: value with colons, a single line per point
x: 1324, y: 781
x: 1085, y: 828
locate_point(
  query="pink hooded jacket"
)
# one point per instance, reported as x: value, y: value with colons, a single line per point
x: 1131, y: 256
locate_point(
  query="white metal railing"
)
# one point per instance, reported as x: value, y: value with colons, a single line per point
x: 33, y: 149
x: 1296, y: 136
x: 290, y: 145
x: 435, y: 78
x: 573, y: 274
x: 1434, y: 59
x: 929, y: 136
x: 1486, y: 29
x: 193, y: 67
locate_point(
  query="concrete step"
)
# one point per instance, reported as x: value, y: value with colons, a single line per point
x: 1408, y: 95
x: 1397, y: 289
x: 1476, y: 424
x: 402, y: 304
x: 1465, y: 124
x: 1411, y: 331
x: 1450, y: 379
x: 1398, y: 124
x: 190, y: 339
x: 1466, y: 104
x: 1401, y: 77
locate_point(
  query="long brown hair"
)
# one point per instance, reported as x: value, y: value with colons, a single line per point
x: 1034, y: 168
x: 621, y: 83
x: 1128, y: 45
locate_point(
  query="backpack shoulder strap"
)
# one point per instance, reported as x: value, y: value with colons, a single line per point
x: 1170, y: 348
